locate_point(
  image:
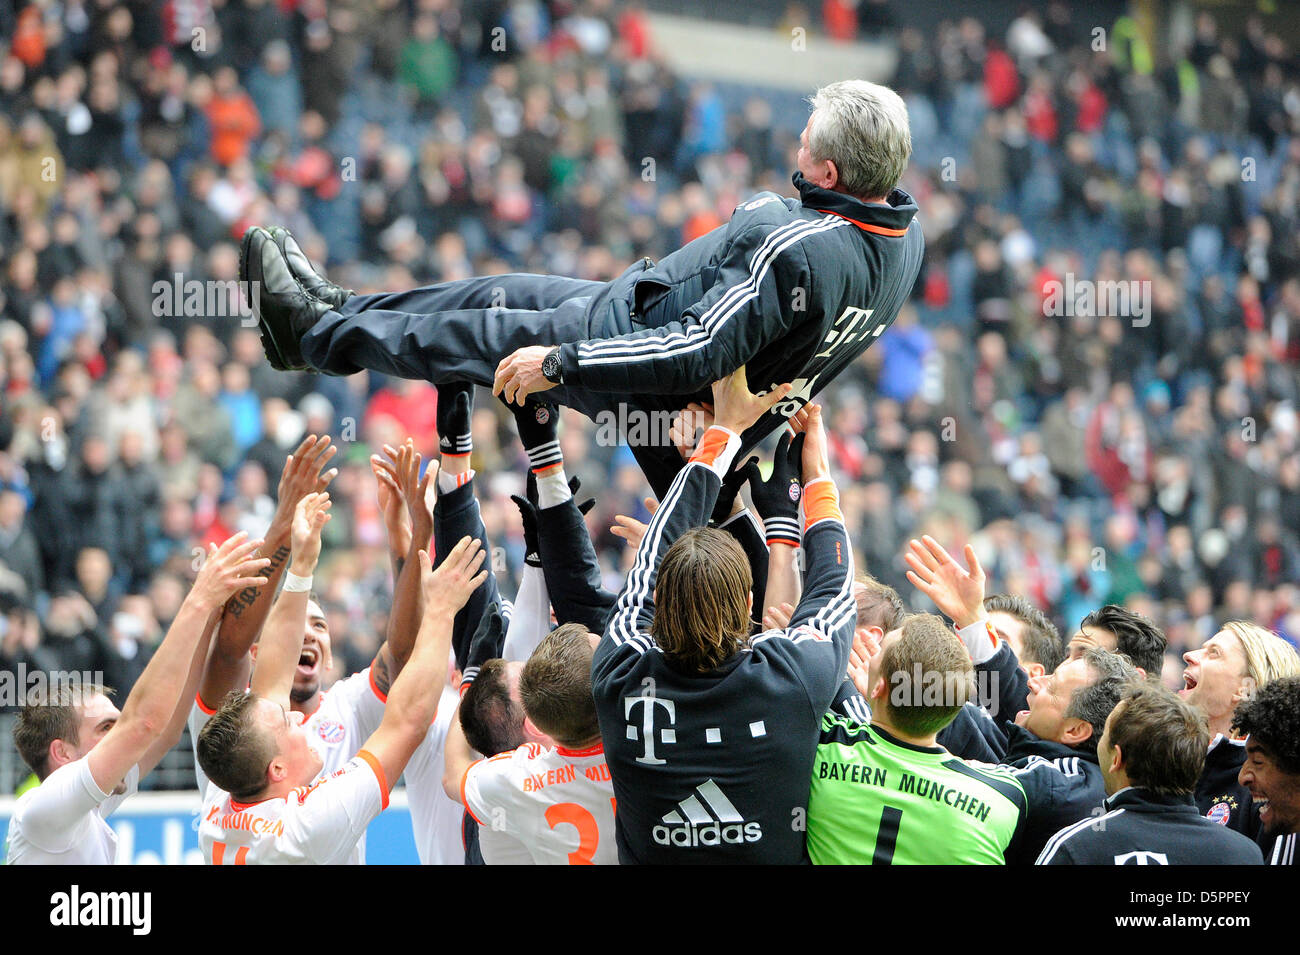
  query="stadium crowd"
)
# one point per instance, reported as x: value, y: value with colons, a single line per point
x: 1146, y: 456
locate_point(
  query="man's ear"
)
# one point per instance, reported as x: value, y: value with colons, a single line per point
x: 881, y: 690
x: 1075, y: 730
x: 1034, y: 670
x: 533, y: 735
x: 276, y: 771
x: 1116, y: 759
x: 60, y: 754
x: 832, y: 174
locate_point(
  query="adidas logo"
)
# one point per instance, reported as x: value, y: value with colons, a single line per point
x: 691, y: 825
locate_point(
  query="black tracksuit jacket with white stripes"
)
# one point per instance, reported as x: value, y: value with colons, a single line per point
x: 1062, y: 784
x: 1278, y: 850
x: 716, y: 767
x: 1140, y: 827
x: 795, y: 289
x: 1219, y: 795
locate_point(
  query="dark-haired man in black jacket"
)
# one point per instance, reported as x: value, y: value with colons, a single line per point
x: 1151, y: 755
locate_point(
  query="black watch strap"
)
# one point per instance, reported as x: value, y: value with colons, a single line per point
x: 552, y: 370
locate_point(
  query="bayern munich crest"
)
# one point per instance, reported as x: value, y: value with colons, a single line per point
x: 1220, y: 811
x: 331, y: 731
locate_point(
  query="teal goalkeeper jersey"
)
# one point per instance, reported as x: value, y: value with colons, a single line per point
x: 878, y: 800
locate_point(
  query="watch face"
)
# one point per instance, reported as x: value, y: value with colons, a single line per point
x: 551, y: 367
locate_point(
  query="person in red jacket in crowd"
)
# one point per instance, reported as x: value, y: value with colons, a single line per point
x: 234, y: 119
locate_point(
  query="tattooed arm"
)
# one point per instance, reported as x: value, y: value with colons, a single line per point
x: 229, y: 662
x: 400, y: 481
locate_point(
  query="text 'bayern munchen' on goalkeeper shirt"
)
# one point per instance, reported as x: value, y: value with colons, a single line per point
x: 876, y: 799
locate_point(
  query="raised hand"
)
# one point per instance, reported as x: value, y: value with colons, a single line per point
x: 798, y: 421
x: 419, y: 493
x: 309, y: 518
x: 815, y: 459
x: 865, y: 649
x: 228, y: 568
x: 687, y: 426
x: 778, y: 618
x: 303, y: 475
x: 448, y: 589
x: 629, y: 528
x: 955, y: 590
x: 397, y: 519
x: 777, y: 498
x: 736, y: 408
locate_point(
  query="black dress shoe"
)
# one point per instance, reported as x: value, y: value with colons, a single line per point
x: 312, y: 282
x: 284, y: 311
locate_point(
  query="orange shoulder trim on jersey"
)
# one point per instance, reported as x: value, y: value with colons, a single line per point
x: 463, y: 801
x: 203, y: 707
x: 238, y: 806
x: 595, y: 750
x: 370, y: 758
x: 867, y: 227
x: 711, y: 445
x: 821, y: 501
x: 370, y: 675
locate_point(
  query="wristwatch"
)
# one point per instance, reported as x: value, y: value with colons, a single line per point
x: 552, y: 371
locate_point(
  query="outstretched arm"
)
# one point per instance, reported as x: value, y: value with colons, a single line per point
x: 172, y: 734
x: 152, y: 704
x: 820, y: 634
x: 228, y: 664
x: 416, y: 496
x: 281, y: 644
x: 688, y: 503
x: 959, y: 593
x: 413, y: 699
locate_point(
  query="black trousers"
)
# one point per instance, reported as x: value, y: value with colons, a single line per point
x: 461, y: 330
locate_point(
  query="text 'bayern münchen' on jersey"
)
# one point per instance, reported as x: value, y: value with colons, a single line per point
x: 543, y: 806
x: 876, y: 799
x: 347, y: 714
x: 314, y: 825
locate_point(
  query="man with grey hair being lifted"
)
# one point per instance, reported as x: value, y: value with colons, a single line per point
x: 793, y: 289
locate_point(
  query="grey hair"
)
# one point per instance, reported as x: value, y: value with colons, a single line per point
x: 1092, y: 703
x: 863, y: 128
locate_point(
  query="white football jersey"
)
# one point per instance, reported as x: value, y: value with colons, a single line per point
x: 435, y: 817
x: 319, y: 824
x: 348, y: 713
x: 62, y: 821
x: 539, y: 806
